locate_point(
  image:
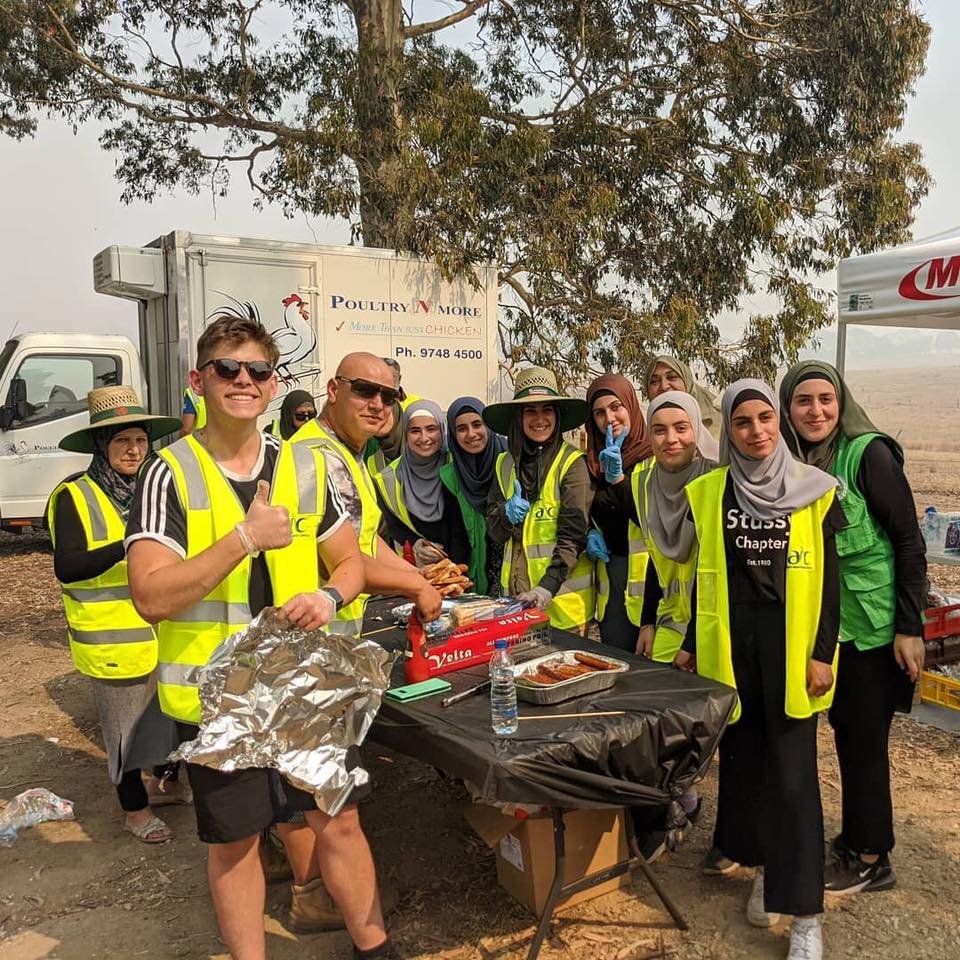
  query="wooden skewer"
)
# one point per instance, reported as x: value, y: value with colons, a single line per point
x: 571, y: 716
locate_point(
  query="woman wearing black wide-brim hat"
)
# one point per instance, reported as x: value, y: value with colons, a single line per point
x: 540, y: 503
x: 109, y: 641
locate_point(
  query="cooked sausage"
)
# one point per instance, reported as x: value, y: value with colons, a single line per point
x: 595, y: 663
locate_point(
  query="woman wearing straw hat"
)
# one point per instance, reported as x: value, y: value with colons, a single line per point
x: 109, y: 642
x: 540, y: 504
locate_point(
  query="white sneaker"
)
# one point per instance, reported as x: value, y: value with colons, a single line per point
x: 756, y: 915
x: 806, y: 940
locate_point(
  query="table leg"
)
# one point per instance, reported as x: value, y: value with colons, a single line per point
x: 641, y: 862
x: 560, y: 857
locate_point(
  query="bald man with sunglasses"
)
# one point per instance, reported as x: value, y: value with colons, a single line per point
x: 360, y: 396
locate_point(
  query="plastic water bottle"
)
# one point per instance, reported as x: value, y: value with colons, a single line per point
x: 931, y: 527
x: 503, y: 693
x: 29, y: 808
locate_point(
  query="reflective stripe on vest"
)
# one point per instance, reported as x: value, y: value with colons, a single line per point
x: 867, y: 588
x: 188, y: 639
x: 676, y: 582
x: 636, y: 564
x: 573, y: 605
x: 804, y: 589
x: 388, y: 483
x: 349, y: 620
x: 108, y: 638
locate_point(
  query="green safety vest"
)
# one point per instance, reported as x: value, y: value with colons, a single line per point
x: 108, y: 638
x: 190, y: 637
x: 867, y: 594
x: 199, y: 405
x: 574, y: 603
x: 349, y: 619
x: 476, y: 526
x: 676, y: 581
x: 804, y: 588
x: 636, y: 565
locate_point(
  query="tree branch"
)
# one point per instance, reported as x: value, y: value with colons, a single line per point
x: 432, y: 26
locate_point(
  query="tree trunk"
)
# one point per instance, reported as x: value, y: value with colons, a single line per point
x: 380, y: 62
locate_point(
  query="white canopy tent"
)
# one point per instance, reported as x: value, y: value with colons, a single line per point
x: 913, y: 285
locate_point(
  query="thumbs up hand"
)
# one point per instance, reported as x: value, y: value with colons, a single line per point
x: 611, y: 459
x: 266, y: 527
x: 516, y: 507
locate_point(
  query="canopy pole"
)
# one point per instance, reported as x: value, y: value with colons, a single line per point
x: 841, y: 346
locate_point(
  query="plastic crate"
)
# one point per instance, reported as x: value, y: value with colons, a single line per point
x: 939, y: 689
x: 941, y: 622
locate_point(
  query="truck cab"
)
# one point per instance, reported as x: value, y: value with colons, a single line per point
x: 44, y: 381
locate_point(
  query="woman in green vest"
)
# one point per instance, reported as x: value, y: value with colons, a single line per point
x: 468, y: 475
x: 109, y: 641
x: 766, y: 623
x: 416, y: 504
x: 539, y: 506
x: 618, y: 449
x: 297, y: 409
x: 882, y: 587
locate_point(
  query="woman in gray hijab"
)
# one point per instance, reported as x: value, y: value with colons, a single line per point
x: 766, y: 622
x: 417, y: 506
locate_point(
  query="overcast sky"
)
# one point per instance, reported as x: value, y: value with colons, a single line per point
x: 60, y: 206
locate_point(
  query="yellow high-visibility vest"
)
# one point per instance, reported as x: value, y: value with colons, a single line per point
x: 212, y: 508
x: 349, y: 619
x: 636, y: 564
x: 108, y: 638
x: 391, y: 489
x: 676, y: 581
x: 574, y: 603
x: 804, y: 590
x: 199, y: 405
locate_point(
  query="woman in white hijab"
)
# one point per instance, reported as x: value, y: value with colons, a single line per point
x: 766, y: 623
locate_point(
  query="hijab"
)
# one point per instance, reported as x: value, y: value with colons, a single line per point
x: 419, y: 475
x: 294, y: 399
x: 705, y: 399
x: 667, y: 515
x: 777, y: 486
x: 475, y: 470
x: 392, y: 443
x: 118, y: 488
x: 637, y: 445
x: 853, y: 421
x: 532, y: 459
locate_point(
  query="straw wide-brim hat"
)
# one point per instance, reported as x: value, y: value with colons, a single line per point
x: 536, y: 385
x: 117, y: 407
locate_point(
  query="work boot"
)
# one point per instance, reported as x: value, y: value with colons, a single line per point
x: 312, y: 909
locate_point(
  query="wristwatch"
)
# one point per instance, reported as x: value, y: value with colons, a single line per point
x: 334, y: 594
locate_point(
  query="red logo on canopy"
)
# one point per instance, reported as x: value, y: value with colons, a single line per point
x: 942, y: 274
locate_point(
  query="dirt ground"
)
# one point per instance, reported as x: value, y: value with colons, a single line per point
x: 85, y: 889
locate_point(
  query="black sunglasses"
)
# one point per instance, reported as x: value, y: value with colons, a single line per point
x: 227, y: 369
x: 367, y: 389
x: 303, y: 417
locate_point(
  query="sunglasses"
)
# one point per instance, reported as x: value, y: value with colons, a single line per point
x: 227, y: 369
x: 367, y: 389
x: 304, y: 416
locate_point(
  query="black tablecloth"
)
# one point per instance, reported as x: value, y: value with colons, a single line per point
x: 662, y: 743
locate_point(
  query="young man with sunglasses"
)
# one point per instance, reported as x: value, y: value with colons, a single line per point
x: 224, y: 523
x: 359, y: 398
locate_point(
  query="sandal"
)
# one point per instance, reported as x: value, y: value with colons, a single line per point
x: 153, y: 830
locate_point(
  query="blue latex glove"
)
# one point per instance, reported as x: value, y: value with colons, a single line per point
x: 597, y: 546
x: 516, y: 507
x: 610, y: 457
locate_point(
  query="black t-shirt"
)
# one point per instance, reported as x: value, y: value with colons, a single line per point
x: 157, y: 513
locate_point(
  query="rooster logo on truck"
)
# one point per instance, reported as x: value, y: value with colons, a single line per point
x: 295, y: 338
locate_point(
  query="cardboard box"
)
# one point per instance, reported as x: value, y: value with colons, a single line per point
x: 595, y: 839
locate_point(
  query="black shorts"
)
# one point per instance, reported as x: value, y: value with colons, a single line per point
x: 234, y: 806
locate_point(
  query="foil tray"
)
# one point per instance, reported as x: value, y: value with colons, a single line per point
x: 543, y: 695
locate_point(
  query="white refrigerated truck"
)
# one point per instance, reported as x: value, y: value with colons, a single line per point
x: 319, y: 302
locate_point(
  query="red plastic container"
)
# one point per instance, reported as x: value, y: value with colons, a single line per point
x: 941, y: 622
